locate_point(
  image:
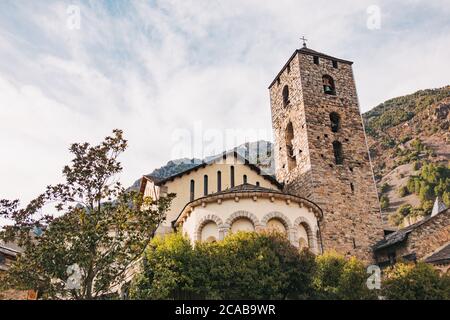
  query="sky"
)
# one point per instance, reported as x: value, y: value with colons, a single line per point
x: 168, y: 71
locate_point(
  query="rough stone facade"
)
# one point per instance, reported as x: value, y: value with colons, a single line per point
x: 346, y: 192
x: 419, y: 241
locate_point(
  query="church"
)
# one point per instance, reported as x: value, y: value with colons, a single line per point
x: 323, y: 195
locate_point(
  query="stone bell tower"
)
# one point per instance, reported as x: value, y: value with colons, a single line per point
x: 321, y: 151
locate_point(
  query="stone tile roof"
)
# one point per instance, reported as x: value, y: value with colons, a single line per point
x: 246, y: 187
x: 440, y: 256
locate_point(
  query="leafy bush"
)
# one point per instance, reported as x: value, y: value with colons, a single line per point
x: 243, y: 266
x: 338, y: 278
x: 384, y: 202
x: 403, y: 191
x: 415, y: 282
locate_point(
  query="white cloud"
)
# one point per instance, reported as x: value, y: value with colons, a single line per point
x: 150, y: 67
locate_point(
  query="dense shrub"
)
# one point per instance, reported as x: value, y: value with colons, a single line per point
x: 243, y: 266
x: 338, y: 278
x: 384, y: 202
x: 415, y: 282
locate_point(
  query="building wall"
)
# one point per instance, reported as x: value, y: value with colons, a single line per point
x: 352, y: 219
x: 181, y: 185
x: 257, y: 211
x: 423, y: 240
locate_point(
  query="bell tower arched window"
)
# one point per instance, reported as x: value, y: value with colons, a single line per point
x: 328, y: 85
x: 289, y: 136
x: 335, y: 121
x: 338, y: 155
x: 285, y: 95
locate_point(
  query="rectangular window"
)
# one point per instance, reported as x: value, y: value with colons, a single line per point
x: 316, y: 60
x: 219, y: 181
x: 335, y: 64
x: 232, y: 176
x: 192, y: 190
x: 205, y: 185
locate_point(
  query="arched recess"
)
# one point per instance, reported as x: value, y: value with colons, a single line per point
x: 328, y: 85
x: 242, y: 215
x: 277, y: 215
x: 338, y: 153
x: 310, y: 232
x: 204, y: 221
x: 335, y: 120
x: 289, y: 137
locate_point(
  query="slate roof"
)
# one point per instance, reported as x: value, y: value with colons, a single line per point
x: 440, y: 256
x: 246, y: 187
x: 398, y: 236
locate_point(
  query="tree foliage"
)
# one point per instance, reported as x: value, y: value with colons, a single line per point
x: 100, y: 227
x: 243, y: 266
x: 338, y: 278
x: 246, y: 266
x: 415, y: 282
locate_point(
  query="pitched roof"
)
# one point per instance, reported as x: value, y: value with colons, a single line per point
x: 235, y: 154
x: 310, y: 52
x: 440, y: 256
x: 400, y: 235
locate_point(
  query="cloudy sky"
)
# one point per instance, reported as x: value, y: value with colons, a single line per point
x: 157, y: 69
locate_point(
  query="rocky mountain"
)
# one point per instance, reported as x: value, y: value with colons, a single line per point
x: 409, y: 144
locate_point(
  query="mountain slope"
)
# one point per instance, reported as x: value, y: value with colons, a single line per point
x: 408, y: 140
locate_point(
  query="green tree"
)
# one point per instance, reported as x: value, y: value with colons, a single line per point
x: 341, y: 278
x: 100, y: 227
x: 384, y: 202
x: 415, y: 282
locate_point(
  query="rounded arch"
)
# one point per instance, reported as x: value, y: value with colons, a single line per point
x: 310, y: 232
x: 204, y: 221
x: 277, y: 215
x: 243, y: 214
x: 328, y: 85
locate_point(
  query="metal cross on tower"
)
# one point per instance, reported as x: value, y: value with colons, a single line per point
x: 304, y: 41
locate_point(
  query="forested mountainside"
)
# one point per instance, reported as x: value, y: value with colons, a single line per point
x: 409, y: 144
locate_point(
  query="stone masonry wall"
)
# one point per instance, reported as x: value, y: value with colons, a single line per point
x: 430, y: 236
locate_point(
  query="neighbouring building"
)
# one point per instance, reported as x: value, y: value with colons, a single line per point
x: 427, y: 240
